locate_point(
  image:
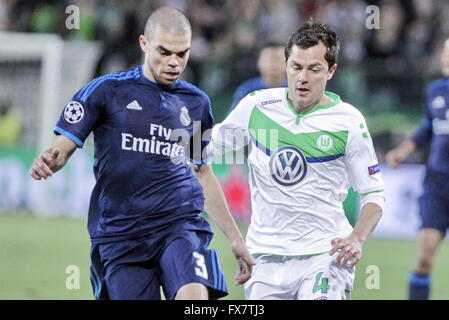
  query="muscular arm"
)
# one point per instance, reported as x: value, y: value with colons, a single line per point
x: 216, y: 206
x: 351, y: 247
x: 52, y: 159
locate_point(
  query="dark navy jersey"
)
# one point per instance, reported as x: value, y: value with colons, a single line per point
x: 435, y: 126
x: 143, y: 133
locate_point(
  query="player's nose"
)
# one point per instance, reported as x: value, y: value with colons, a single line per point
x: 303, y: 77
x: 173, y: 61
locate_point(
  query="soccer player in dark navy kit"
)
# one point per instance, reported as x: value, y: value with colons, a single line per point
x: 434, y: 202
x: 144, y: 216
x: 271, y: 66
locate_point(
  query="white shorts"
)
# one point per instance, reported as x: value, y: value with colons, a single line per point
x: 315, y: 277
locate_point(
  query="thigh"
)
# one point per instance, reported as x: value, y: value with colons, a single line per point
x: 186, y: 259
x: 132, y: 282
x: 268, y: 280
x: 129, y: 269
x: 326, y: 280
x: 434, y: 212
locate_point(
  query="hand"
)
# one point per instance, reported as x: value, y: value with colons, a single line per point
x: 245, y: 260
x: 47, y: 163
x: 394, y: 158
x: 350, y: 251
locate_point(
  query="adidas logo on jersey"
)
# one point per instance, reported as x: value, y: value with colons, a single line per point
x: 134, y: 106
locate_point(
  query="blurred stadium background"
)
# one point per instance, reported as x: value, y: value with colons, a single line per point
x: 43, y: 63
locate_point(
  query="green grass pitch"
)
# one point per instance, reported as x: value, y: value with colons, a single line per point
x: 35, y: 253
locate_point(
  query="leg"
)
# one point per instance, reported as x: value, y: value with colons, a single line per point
x: 434, y: 222
x: 326, y: 280
x: 265, y: 290
x: 419, y: 281
x: 428, y: 241
x: 188, y: 270
x: 269, y: 280
x: 192, y: 291
x: 127, y: 282
x: 127, y: 270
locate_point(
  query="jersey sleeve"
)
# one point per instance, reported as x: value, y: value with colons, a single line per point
x: 361, y: 160
x: 232, y: 134
x: 423, y: 134
x: 199, y: 146
x: 80, y: 115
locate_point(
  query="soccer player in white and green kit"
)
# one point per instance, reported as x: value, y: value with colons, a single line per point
x: 307, y: 147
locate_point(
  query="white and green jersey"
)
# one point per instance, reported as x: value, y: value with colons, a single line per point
x: 300, y: 168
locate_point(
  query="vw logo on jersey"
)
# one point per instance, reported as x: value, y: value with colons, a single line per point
x: 184, y: 117
x: 288, y: 166
x: 73, y: 112
x: 324, y: 142
x: 438, y: 102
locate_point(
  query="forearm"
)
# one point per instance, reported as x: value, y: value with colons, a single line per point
x: 216, y: 206
x: 407, y: 147
x: 398, y: 155
x: 368, y: 219
x: 66, y: 147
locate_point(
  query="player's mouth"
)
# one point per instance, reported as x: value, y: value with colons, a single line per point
x: 303, y: 91
x: 171, y: 75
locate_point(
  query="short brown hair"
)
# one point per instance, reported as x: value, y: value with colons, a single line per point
x: 310, y: 34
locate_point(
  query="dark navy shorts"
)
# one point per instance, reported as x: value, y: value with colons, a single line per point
x: 136, y: 269
x: 434, y: 202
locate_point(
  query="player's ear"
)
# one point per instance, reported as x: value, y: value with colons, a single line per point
x: 331, y: 71
x: 143, y: 41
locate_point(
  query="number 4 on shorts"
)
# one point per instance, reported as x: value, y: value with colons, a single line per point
x: 321, y: 284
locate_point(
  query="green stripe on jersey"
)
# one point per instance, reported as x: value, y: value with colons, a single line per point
x: 313, y: 144
x: 334, y: 97
x: 375, y: 191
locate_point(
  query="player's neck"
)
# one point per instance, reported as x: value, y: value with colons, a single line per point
x: 147, y: 73
x: 324, y: 99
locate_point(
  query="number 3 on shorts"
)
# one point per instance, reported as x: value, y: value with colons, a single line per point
x: 323, y: 286
x: 200, y: 270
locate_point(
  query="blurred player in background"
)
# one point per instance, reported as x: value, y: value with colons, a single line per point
x: 271, y: 66
x: 144, y: 216
x: 307, y: 148
x: 434, y: 202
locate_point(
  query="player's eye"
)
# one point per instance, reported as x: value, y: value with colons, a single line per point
x: 164, y: 52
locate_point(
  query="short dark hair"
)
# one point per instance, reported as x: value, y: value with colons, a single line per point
x: 310, y: 34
